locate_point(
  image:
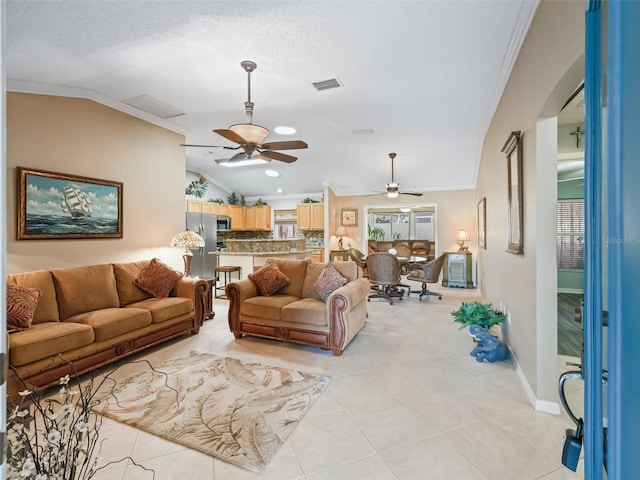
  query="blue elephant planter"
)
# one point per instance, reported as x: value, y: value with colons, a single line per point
x: 488, y: 348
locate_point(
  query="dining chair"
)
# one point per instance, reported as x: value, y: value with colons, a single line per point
x: 403, y: 252
x: 360, y: 259
x: 384, y: 276
x: 426, y: 273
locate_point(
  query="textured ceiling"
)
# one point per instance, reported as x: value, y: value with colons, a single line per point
x: 424, y: 76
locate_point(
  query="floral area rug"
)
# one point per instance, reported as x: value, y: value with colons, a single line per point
x: 238, y: 412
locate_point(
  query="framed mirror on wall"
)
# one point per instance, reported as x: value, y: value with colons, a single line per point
x: 513, y: 150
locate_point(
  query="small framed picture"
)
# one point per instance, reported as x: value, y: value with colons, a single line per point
x: 349, y: 217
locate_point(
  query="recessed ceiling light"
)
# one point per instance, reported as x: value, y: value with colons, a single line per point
x: 242, y: 163
x: 272, y: 173
x: 279, y: 190
x: 283, y: 130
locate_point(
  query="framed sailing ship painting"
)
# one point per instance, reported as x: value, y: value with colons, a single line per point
x: 60, y: 206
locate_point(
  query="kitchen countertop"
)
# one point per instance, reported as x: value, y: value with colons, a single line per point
x: 262, y: 254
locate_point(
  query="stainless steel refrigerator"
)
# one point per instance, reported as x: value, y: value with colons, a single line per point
x: 203, y: 265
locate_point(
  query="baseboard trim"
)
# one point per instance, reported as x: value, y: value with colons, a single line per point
x: 539, y: 405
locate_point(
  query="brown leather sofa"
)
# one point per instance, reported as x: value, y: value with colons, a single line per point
x: 90, y: 316
x: 420, y: 248
x: 296, y: 313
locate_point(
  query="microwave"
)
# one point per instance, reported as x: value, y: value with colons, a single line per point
x: 223, y: 223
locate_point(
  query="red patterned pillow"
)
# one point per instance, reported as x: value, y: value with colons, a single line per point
x: 157, y: 278
x: 21, y: 305
x: 329, y: 281
x: 269, y: 279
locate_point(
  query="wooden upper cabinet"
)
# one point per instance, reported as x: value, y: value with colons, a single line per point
x: 263, y: 217
x: 257, y: 217
x: 194, y: 206
x: 236, y: 212
x: 224, y: 210
x: 310, y: 216
x: 207, y: 207
x: 317, y: 216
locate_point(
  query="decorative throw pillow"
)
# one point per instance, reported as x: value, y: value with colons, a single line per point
x: 269, y: 279
x: 157, y: 278
x: 329, y: 281
x: 21, y: 305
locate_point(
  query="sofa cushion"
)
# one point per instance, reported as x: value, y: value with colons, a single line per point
x: 308, y: 311
x: 266, y: 307
x: 163, y: 309
x: 269, y: 279
x: 85, y: 289
x: 157, y: 278
x: 126, y: 273
x: 314, y: 269
x: 110, y: 322
x: 295, y: 270
x: 47, y: 309
x: 328, y: 282
x: 21, y: 305
x: 45, y: 339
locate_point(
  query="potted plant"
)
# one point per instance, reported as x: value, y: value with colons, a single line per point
x: 197, y: 188
x: 375, y: 233
x: 232, y: 199
x: 480, y: 317
x: 260, y: 202
x: 475, y: 313
x: 219, y: 201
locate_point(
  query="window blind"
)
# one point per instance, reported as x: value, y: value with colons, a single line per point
x: 570, y: 231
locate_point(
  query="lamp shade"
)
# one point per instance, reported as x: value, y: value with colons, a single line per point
x: 187, y: 239
x: 463, y: 235
x: 341, y: 231
x: 251, y: 133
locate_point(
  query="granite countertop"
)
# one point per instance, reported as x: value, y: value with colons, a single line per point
x: 262, y: 254
x: 265, y: 239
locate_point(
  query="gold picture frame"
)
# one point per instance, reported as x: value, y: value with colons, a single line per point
x: 513, y: 151
x: 349, y: 217
x: 61, y: 206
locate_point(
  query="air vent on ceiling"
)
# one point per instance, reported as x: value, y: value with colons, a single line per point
x: 327, y: 84
x: 153, y: 106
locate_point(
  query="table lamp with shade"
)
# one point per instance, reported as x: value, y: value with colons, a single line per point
x: 463, y: 236
x: 187, y: 239
x: 340, y: 232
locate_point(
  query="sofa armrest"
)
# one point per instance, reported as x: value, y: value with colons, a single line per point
x: 238, y: 292
x: 347, y: 312
x: 197, y: 290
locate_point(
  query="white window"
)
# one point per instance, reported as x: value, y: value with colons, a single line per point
x: 570, y: 228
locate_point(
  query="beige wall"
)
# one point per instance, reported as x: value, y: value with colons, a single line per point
x: 81, y: 137
x: 526, y: 283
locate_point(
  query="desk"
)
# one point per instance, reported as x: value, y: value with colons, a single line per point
x: 343, y: 254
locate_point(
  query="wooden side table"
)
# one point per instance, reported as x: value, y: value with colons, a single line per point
x: 341, y: 254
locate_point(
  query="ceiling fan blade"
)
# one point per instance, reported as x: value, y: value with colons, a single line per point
x: 411, y: 193
x: 283, y: 157
x: 208, y: 146
x: 290, y: 145
x: 231, y: 135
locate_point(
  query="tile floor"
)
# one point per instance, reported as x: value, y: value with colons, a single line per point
x: 406, y: 401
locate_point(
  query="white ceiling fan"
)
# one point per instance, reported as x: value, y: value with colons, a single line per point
x: 249, y: 136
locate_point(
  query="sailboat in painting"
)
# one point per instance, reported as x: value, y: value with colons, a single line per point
x: 75, y: 202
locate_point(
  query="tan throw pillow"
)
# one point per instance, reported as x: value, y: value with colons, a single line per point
x: 158, y: 279
x: 269, y: 279
x: 21, y: 304
x: 329, y: 281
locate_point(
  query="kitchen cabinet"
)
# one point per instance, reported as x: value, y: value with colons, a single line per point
x: 236, y: 213
x: 194, y: 206
x: 310, y: 216
x: 317, y: 256
x: 262, y: 217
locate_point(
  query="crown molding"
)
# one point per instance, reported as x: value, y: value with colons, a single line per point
x: 86, y: 93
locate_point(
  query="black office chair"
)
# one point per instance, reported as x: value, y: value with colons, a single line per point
x: 384, y: 275
x: 426, y: 273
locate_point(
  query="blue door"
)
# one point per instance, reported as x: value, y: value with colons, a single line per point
x: 612, y: 238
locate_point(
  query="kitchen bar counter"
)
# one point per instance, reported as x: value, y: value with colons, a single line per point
x: 251, y: 261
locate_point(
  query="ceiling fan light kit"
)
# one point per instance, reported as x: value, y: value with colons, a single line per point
x: 249, y: 137
x: 393, y: 187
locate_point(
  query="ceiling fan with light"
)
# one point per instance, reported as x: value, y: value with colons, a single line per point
x: 249, y: 137
x: 393, y: 188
